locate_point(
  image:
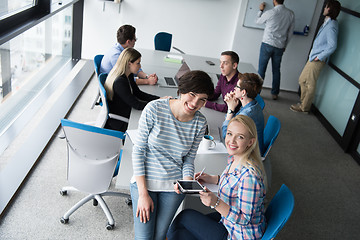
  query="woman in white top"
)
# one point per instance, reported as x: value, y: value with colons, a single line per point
x: 170, y: 131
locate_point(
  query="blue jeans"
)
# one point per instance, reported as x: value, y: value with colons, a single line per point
x: 165, y: 206
x: 266, y: 52
x: 191, y: 224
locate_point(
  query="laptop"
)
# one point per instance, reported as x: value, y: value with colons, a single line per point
x: 173, y: 81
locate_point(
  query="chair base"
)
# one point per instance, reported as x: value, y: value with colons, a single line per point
x: 98, y: 198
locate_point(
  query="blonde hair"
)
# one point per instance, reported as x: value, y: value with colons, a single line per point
x: 122, y: 64
x: 251, y: 157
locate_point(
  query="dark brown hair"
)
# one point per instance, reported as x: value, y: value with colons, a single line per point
x: 233, y: 55
x: 197, y: 82
x: 251, y: 82
x: 335, y: 8
x: 124, y: 33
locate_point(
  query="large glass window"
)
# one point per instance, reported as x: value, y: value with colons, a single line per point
x: 12, y: 7
x: 23, y: 59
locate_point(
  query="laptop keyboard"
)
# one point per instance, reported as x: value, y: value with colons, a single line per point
x: 170, y: 81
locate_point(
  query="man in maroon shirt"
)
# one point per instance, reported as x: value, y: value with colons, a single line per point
x: 229, y: 61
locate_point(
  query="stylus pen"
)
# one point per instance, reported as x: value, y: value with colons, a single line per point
x: 202, y: 171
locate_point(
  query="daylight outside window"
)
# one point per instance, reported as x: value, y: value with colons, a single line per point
x: 12, y: 7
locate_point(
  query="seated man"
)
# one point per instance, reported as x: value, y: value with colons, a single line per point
x: 229, y: 61
x: 126, y: 38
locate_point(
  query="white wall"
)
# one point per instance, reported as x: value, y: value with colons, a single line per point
x: 247, y: 43
x: 199, y: 27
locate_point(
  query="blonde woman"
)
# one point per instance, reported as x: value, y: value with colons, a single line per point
x: 122, y: 92
x: 239, y: 203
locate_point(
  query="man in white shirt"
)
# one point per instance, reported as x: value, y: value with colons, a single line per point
x: 279, y: 27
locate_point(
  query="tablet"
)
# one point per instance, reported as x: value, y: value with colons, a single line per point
x: 190, y: 186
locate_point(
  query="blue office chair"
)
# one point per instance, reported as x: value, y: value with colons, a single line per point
x: 271, y: 132
x: 93, y: 154
x: 260, y: 101
x: 278, y: 212
x: 97, y: 63
x: 162, y: 41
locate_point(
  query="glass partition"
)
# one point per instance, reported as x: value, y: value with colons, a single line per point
x: 335, y: 98
x: 346, y: 56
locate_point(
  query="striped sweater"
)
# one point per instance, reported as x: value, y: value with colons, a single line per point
x: 165, y: 148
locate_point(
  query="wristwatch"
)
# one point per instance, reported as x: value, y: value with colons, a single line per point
x: 216, y: 204
x: 230, y: 111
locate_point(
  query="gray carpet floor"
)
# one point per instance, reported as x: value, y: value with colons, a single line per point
x: 324, y: 180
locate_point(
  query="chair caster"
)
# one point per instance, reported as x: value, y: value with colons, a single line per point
x: 63, y: 192
x: 128, y: 201
x: 95, y: 202
x: 110, y: 226
x: 63, y: 220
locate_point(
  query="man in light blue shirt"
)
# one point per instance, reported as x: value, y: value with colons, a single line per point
x: 279, y: 28
x: 126, y: 38
x: 324, y: 45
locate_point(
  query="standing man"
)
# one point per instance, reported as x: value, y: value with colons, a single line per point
x: 125, y: 38
x: 229, y: 61
x: 279, y: 28
x: 324, y: 45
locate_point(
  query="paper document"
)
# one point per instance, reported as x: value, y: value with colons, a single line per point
x: 212, y: 187
x: 132, y: 134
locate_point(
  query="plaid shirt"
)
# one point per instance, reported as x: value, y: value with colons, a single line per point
x: 244, y: 191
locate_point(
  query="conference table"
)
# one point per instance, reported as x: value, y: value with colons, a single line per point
x: 152, y: 61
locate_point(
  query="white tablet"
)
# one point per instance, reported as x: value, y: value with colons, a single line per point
x: 190, y: 186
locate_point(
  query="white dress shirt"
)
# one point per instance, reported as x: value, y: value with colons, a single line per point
x: 279, y: 25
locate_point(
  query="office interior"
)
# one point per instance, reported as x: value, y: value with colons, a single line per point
x: 89, y: 28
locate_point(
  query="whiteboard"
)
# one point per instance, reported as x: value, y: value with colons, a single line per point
x: 303, y: 10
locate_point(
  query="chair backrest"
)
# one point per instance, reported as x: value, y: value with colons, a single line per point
x: 260, y: 101
x: 93, y: 154
x: 271, y: 131
x: 104, y: 112
x: 97, y: 63
x: 278, y: 212
x: 162, y: 41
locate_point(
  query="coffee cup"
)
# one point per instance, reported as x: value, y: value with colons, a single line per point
x: 207, y: 142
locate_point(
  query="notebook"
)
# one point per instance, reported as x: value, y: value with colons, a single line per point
x: 173, y: 81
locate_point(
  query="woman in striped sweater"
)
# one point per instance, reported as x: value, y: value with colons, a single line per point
x: 170, y: 131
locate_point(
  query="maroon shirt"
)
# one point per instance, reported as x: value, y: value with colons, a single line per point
x: 223, y: 87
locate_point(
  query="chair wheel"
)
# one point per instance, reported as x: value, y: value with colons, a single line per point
x: 128, y: 201
x: 63, y: 220
x: 63, y: 192
x: 110, y: 226
x: 95, y: 202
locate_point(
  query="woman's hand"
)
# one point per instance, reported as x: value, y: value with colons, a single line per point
x: 144, y: 206
x: 206, y: 178
x: 208, y: 198
x: 176, y: 188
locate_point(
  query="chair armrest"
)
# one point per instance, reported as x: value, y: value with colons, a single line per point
x: 117, y: 117
x: 178, y: 50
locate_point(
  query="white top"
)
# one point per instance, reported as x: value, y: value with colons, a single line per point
x: 165, y: 148
x: 279, y: 25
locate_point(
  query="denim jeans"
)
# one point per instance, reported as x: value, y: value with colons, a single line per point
x: 191, y: 224
x: 165, y: 206
x: 266, y: 52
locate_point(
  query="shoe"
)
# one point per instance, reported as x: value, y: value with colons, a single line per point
x: 297, y: 108
x: 274, y: 97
